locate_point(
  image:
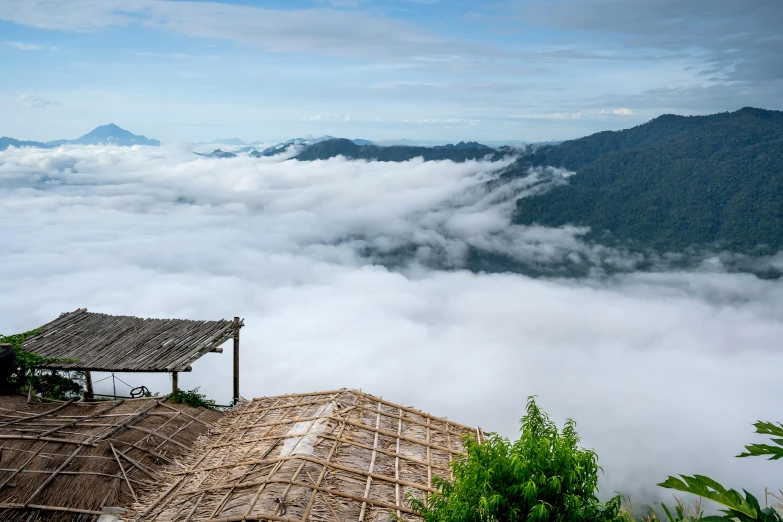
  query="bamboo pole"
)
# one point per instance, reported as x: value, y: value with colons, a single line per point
x: 397, y: 466
x: 47, y: 439
x: 53, y: 475
x: 359, y: 425
x: 383, y: 413
x: 236, y: 359
x: 372, y: 464
x: 174, y: 382
x: 236, y: 485
x: 335, y: 492
x: 322, y: 475
x: 48, y: 412
x: 123, y: 472
x: 90, y: 394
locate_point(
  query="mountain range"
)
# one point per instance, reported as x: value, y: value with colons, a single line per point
x: 675, y: 184
x: 325, y: 147
x: 109, y: 134
x: 349, y: 149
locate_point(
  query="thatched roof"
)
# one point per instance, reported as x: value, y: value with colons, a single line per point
x: 66, y: 460
x: 118, y: 343
x: 336, y: 456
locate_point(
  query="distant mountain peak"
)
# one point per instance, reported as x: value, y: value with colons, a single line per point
x: 110, y: 134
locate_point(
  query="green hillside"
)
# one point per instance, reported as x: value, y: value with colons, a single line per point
x: 347, y: 148
x: 672, y: 183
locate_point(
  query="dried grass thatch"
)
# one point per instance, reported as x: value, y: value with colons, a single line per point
x: 339, y: 455
x: 66, y: 460
x: 120, y: 343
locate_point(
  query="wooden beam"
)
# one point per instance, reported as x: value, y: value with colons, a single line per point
x: 89, y: 392
x: 236, y: 359
x: 174, y: 382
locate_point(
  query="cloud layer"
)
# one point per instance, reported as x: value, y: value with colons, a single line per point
x: 663, y: 372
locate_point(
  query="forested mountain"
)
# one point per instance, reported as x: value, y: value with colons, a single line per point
x: 218, y: 153
x: 347, y: 148
x: 672, y: 183
x: 462, y: 145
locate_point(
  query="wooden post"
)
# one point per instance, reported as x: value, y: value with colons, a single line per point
x: 89, y: 392
x: 236, y: 359
x: 174, y: 382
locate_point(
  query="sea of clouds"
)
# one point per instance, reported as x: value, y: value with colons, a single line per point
x: 663, y: 371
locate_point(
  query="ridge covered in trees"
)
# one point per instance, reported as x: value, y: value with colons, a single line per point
x: 673, y: 183
x: 347, y: 148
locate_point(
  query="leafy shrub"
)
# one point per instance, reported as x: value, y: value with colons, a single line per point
x: 191, y: 398
x: 52, y: 384
x: 544, y: 476
x: 738, y: 507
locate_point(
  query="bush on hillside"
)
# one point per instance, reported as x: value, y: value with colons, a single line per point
x: 542, y: 477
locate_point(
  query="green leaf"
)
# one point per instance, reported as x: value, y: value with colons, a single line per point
x: 761, y: 450
x: 709, y: 489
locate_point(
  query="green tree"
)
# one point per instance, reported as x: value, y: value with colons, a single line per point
x: 52, y: 384
x: 543, y: 477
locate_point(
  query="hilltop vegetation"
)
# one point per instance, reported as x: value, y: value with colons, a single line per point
x: 347, y: 148
x: 670, y: 184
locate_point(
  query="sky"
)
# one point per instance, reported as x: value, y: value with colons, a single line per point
x: 664, y: 372
x: 380, y: 69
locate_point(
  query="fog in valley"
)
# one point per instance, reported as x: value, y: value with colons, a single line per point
x: 663, y: 371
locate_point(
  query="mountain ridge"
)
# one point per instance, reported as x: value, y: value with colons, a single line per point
x: 350, y: 150
x: 109, y: 134
x: 669, y: 185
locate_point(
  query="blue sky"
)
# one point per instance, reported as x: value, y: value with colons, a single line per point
x: 426, y: 69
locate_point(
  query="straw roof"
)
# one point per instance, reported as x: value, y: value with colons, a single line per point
x: 118, y: 343
x: 328, y: 456
x: 66, y: 460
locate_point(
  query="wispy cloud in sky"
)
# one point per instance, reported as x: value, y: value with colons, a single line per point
x: 507, y: 66
x: 30, y: 47
x: 33, y: 100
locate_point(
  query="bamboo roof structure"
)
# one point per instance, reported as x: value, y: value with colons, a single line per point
x: 115, y: 343
x: 329, y: 456
x: 65, y: 461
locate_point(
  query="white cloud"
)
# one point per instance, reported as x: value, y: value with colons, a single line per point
x: 663, y: 372
x: 577, y: 115
x: 33, y: 100
x: 329, y: 117
x: 327, y: 31
x: 616, y: 112
x: 29, y: 47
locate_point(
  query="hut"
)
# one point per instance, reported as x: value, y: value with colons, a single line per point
x: 327, y: 456
x: 88, y: 342
x: 80, y: 461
